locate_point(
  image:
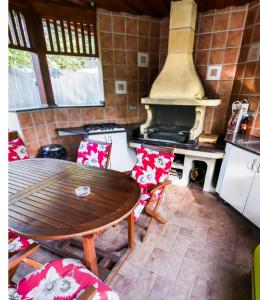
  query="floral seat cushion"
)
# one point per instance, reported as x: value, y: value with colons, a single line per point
x: 18, y: 243
x: 17, y: 150
x: 151, y: 168
x: 93, y: 154
x: 61, y: 279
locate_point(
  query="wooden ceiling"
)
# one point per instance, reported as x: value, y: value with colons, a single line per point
x: 154, y: 8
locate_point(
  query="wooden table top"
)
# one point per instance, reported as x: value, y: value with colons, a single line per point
x: 43, y: 204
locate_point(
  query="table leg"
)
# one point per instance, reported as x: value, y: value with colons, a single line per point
x: 90, y: 253
x: 131, y: 231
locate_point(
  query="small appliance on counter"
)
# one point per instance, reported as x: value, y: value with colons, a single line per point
x: 239, y: 111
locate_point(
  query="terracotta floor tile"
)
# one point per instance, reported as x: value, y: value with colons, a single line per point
x: 203, y: 252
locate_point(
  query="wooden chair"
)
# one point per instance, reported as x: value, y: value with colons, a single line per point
x: 12, y: 135
x: 155, y: 193
x: 87, y: 146
x: 64, y: 268
x: 21, y: 256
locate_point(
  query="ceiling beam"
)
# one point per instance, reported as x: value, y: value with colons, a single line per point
x: 143, y: 8
x: 160, y: 7
x: 116, y: 5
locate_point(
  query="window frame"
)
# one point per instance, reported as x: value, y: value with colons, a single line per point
x: 38, y: 48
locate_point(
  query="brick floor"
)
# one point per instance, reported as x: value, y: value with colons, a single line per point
x: 204, y: 251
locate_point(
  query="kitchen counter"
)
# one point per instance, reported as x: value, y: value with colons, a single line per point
x: 247, y: 142
x: 209, y: 150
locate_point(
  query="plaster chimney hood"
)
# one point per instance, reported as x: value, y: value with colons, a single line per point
x: 178, y: 82
x: 177, y: 97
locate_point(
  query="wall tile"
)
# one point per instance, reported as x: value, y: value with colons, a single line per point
x: 237, y: 20
x: 105, y: 22
x: 143, y: 28
x: 234, y: 38
x: 221, y: 22
x: 106, y: 40
x: 204, y: 41
x: 131, y: 42
x: 119, y: 41
x: 219, y: 39
x: 29, y: 135
x: 38, y: 117
x: 206, y: 24
x: 49, y: 115
x: 25, y: 119
x: 131, y: 26
x: 118, y: 24
x: 120, y: 57
x: 61, y: 115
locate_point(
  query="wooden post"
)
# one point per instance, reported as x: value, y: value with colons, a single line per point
x: 34, y: 25
x: 90, y: 253
x: 131, y: 231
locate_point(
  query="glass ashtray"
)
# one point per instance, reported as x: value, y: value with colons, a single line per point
x: 82, y: 191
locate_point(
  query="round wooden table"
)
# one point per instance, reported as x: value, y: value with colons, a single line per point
x: 43, y: 204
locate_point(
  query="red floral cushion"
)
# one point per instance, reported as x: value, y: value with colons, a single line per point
x: 93, y: 154
x: 151, y: 168
x: 62, y: 279
x: 18, y: 243
x: 17, y: 150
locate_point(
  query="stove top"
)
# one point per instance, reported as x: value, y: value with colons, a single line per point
x: 103, y: 128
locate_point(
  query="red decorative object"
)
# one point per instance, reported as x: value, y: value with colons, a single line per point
x: 151, y: 168
x: 17, y: 150
x: 94, y: 153
x: 61, y: 279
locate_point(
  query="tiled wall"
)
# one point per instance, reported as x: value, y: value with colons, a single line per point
x: 121, y: 37
x: 218, y: 39
x: 247, y: 77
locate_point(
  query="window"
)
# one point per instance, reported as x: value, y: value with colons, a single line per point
x: 22, y: 88
x: 66, y: 61
x: 76, y: 81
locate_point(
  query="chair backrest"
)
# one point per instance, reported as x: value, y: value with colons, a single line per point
x: 158, y: 148
x: 16, y: 148
x: 152, y: 167
x: 94, y: 153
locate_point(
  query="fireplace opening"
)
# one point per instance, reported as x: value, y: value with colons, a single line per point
x: 198, y: 173
x: 171, y: 123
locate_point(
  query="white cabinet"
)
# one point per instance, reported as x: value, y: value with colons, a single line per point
x: 122, y: 157
x: 252, y: 207
x: 239, y: 182
x: 238, y: 177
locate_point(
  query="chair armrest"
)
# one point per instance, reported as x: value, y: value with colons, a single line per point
x: 159, y: 186
x: 88, y: 294
x: 16, y: 259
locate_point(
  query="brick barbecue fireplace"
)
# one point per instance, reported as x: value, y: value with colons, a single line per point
x: 177, y: 103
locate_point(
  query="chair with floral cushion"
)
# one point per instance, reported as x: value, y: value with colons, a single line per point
x: 94, y: 153
x: 19, y: 250
x: 16, y: 148
x: 61, y: 279
x: 151, y: 171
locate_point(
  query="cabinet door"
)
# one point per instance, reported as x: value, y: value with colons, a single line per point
x: 238, y: 177
x: 252, y: 208
x: 122, y: 158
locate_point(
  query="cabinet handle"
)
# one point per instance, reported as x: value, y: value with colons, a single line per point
x: 252, y: 166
